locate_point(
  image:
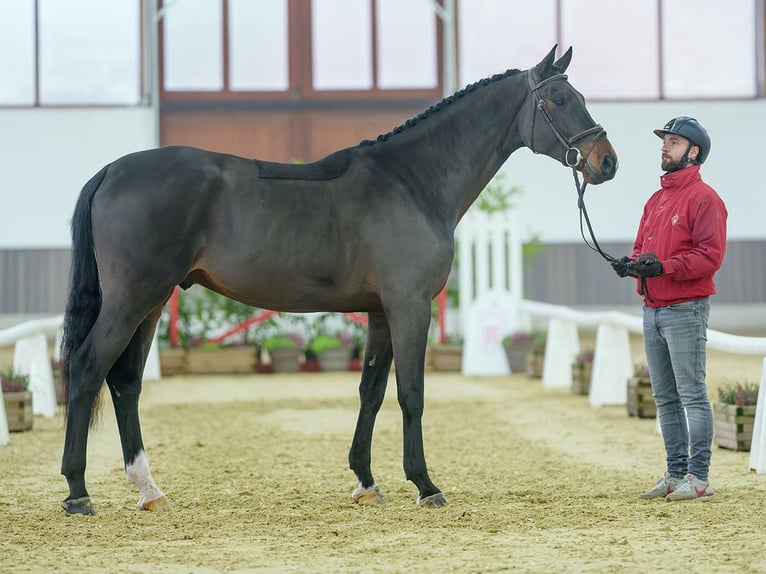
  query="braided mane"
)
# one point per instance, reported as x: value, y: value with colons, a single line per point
x: 439, y: 106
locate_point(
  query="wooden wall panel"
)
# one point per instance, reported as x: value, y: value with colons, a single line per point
x: 329, y: 131
x: 263, y: 135
x: 285, y: 136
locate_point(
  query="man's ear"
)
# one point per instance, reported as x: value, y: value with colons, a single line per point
x: 694, y: 152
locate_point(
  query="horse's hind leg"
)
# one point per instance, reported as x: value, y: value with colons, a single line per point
x: 88, y: 368
x: 372, y: 389
x: 124, y: 381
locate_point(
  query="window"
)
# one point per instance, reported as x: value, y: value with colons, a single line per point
x: 70, y: 53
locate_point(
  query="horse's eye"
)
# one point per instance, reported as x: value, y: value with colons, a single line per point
x: 559, y: 99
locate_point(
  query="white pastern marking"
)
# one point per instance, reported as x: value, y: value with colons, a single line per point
x: 139, y: 474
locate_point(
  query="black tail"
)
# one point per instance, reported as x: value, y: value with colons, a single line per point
x: 84, y: 301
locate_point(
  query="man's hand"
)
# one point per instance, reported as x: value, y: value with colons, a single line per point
x: 620, y: 266
x: 646, y: 265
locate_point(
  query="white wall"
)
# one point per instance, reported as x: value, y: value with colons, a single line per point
x: 738, y: 131
x: 47, y: 155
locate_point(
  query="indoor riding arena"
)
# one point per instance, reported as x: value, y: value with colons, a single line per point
x: 256, y: 469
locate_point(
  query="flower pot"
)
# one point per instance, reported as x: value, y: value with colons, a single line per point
x: 517, y: 357
x: 285, y: 359
x: 335, y: 359
x: 733, y: 426
x: 18, y: 410
x: 640, y: 401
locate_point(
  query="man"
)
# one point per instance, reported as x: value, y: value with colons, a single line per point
x: 679, y: 246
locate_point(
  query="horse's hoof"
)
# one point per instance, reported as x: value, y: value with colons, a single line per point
x: 160, y: 504
x: 79, y: 506
x: 434, y: 501
x: 370, y: 495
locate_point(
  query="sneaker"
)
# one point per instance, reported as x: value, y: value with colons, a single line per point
x: 691, y: 488
x: 664, y: 487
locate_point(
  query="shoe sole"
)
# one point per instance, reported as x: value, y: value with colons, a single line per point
x: 697, y: 499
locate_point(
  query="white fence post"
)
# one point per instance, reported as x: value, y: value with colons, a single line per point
x: 4, y: 433
x: 562, y: 345
x: 612, y: 366
x: 31, y: 357
x: 758, y: 444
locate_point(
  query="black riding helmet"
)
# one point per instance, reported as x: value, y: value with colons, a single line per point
x: 693, y: 131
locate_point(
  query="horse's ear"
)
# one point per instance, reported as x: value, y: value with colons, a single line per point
x: 563, y: 62
x: 543, y: 69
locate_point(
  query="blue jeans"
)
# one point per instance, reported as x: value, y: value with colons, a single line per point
x: 674, y: 340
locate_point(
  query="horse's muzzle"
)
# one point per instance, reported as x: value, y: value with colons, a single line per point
x: 600, y: 164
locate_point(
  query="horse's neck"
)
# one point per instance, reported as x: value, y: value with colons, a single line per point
x: 460, y: 148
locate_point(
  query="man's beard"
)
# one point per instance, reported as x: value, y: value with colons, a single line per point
x: 668, y: 164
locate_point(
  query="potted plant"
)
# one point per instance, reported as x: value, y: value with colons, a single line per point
x: 536, y: 354
x: 333, y: 341
x: 18, y: 400
x: 517, y: 346
x: 734, y: 415
x: 581, y: 372
x: 283, y: 352
x: 640, y: 400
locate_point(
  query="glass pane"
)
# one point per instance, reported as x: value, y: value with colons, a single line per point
x: 612, y: 60
x: 258, y: 45
x: 499, y: 34
x: 17, y: 53
x: 342, y: 44
x: 712, y: 54
x: 406, y: 44
x: 193, y: 35
x: 89, y: 52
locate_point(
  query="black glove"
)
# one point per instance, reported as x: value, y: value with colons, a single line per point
x: 621, y: 266
x: 646, y: 265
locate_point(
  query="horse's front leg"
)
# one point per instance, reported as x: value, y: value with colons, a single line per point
x: 124, y: 382
x: 409, y: 330
x: 372, y: 389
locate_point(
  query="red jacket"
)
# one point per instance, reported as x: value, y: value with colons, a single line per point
x: 684, y: 223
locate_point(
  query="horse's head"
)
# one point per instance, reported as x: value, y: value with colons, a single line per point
x: 558, y: 124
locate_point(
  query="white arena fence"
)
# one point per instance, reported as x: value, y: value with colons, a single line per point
x: 31, y: 357
x: 612, y: 363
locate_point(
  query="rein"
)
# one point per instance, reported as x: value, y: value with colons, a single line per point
x: 571, y: 159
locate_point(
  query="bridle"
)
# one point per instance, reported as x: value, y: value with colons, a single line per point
x: 572, y: 155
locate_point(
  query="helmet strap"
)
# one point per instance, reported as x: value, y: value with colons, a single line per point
x: 684, y: 160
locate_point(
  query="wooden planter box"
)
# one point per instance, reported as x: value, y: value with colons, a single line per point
x: 640, y: 401
x: 734, y: 426
x: 173, y: 361
x: 581, y: 378
x: 18, y: 410
x: 535, y: 365
x: 446, y: 357
x: 222, y: 361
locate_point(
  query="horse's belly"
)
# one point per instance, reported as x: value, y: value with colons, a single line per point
x: 293, y: 292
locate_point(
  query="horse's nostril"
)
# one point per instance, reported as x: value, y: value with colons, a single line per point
x: 608, y: 165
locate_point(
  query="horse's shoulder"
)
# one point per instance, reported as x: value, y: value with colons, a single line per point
x: 329, y: 167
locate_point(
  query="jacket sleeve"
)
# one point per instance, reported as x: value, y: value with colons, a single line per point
x: 708, y: 244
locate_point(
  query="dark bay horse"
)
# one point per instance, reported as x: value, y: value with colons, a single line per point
x: 369, y: 228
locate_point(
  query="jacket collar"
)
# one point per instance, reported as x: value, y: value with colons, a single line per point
x: 680, y: 178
